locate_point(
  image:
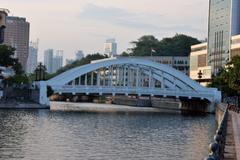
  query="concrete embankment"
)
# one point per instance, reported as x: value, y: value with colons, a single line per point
x: 103, y: 108
x: 21, y: 105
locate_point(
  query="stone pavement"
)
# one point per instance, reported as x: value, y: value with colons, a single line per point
x: 236, y: 133
x: 232, y: 147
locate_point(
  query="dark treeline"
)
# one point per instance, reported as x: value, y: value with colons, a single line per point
x: 178, y: 45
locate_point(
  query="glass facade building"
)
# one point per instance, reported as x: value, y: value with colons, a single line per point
x: 224, y: 22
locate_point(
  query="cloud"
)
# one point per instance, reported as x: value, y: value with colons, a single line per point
x: 142, y: 21
x: 116, y: 16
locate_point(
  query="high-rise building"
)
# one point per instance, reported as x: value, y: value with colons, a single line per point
x: 79, y: 55
x: 3, y: 15
x: 32, y: 57
x: 57, y: 60
x: 48, y: 60
x: 224, y: 22
x: 110, y: 47
x: 17, y: 35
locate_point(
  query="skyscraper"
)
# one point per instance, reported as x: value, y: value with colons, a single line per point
x: 17, y: 35
x: 224, y: 22
x: 32, y: 57
x: 110, y: 47
x: 48, y: 60
x: 57, y: 60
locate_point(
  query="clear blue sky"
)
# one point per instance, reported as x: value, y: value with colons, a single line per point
x: 85, y: 24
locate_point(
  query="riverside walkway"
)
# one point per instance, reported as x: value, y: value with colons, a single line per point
x: 232, y: 149
x: 236, y: 132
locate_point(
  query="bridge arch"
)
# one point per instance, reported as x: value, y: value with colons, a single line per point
x: 130, y: 76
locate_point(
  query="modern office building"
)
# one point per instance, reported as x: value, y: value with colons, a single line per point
x: 57, y: 60
x: 17, y: 35
x: 32, y: 57
x: 110, y: 47
x: 199, y: 63
x: 79, y: 55
x: 177, y: 62
x: 180, y: 63
x: 48, y: 60
x: 224, y: 22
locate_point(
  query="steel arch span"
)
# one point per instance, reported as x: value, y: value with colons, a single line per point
x: 130, y: 76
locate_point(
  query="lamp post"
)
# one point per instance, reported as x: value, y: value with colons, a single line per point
x: 200, y: 76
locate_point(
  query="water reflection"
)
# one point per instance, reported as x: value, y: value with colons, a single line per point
x: 41, y: 135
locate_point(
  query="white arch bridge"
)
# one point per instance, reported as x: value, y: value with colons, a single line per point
x: 129, y: 76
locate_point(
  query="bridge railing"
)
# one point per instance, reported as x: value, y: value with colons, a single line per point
x: 132, y: 90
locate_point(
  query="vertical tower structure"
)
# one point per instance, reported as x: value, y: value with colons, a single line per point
x: 224, y: 22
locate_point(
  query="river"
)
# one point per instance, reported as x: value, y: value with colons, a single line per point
x: 46, y: 135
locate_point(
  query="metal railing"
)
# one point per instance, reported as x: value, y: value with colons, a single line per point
x: 216, y: 148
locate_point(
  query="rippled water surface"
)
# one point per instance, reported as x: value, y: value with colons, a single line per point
x: 43, y: 135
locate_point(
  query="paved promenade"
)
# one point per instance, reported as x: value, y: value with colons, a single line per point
x: 232, y: 148
x: 236, y: 132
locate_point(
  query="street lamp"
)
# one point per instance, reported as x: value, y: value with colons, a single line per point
x: 200, y: 75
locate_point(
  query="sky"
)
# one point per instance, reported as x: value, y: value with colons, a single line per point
x: 72, y: 25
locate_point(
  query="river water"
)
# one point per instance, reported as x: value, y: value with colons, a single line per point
x: 46, y: 135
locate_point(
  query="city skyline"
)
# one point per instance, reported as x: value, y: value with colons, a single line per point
x: 95, y: 21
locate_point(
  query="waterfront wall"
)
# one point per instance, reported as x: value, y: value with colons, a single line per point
x: 220, y: 109
x: 170, y: 104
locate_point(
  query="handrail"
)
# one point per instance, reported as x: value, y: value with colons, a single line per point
x: 217, y: 147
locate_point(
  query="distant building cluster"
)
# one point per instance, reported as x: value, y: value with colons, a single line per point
x: 52, y: 61
x: 32, y: 61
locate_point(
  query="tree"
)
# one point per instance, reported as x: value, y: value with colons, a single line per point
x: 7, y: 59
x: 144, y: 46
x: 124, y: 54
x: 179, y: 45
x: 228, y: 80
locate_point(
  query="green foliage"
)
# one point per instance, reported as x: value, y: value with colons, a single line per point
x: 124, y: 54
x: 83, y: 61
x: 7, y: 60
x: 228, y: 80
x: 179, y: 45
x: 17, y: 79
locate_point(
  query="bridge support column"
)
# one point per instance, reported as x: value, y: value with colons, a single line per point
x: 98, y: 78
x: 162, y: 80
x: 109, y: 77
x: 43, y: 99
x: 104, y: 76
x: 150, y: 79
x: 124, y: 76
x: 137, y: 77
x: 85, y: 80
x: 91, y: 78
